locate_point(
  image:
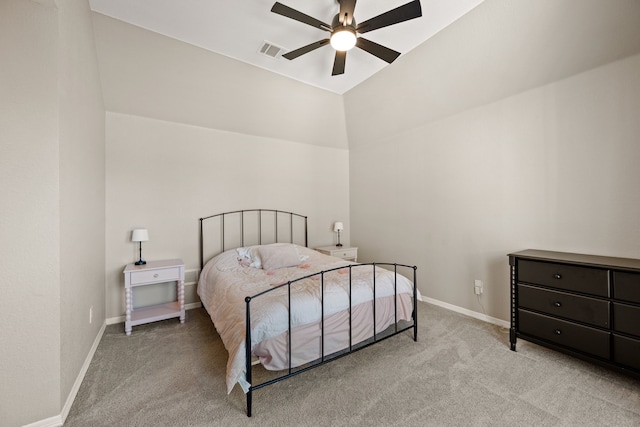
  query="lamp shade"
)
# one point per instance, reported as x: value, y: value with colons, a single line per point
x: 338, y: 226
x: 140, y: 235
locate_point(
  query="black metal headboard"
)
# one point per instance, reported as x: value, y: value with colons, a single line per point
x: 257, y: 226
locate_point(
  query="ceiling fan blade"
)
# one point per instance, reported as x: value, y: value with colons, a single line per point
x: 375, y: 49
x: 305, y: 49
x: 402, y: 13
x: 338, y: 62
x: 283, y: 10
x: 346, y: 9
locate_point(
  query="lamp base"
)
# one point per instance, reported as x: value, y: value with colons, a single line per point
x: 339, y: 245
x: 141, y: 262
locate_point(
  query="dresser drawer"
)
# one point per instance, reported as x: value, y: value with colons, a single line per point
x: 561, y: 332
x: 582, y: 309
x: 154, y: 276
x: 626, y: 351
x: 562, y: 276
x: 626, y: 319
x: 626, y: 286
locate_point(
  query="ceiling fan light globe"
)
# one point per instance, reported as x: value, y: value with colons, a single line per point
x: 343, y: 39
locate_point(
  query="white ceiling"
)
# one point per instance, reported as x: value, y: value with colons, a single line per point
x: 238, y: 29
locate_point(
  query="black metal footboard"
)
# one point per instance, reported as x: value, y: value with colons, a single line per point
x: 395, y: 328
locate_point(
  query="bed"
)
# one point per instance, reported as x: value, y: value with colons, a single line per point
x: 277, y: 303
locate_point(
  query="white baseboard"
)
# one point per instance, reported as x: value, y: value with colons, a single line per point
x: 47, y: 422
x: 120, y: 319
x: 58, y: 420
x: 467, y: 312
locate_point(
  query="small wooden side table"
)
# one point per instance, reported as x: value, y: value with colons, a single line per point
x: 344, y: 252
x: 153, y: 272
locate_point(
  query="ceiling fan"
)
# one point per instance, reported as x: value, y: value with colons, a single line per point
x: 344, y: 31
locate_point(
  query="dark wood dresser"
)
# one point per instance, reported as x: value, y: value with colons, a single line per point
x: 587, y: 306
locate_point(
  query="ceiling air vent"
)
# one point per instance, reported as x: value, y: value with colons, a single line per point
x: 271, y: 50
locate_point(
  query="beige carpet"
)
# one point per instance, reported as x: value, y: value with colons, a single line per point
x: 459, y: 373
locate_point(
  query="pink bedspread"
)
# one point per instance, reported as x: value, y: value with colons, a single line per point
x: 225, y: 282
x: 307, y: 342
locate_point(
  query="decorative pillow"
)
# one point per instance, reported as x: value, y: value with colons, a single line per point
x: 274, y: 257
x: 249, y: 256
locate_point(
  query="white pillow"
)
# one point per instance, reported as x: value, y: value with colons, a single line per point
x: 251, y: 256
x: 274, y: 257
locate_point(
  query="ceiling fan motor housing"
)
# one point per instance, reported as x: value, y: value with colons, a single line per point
x: 335, y: 24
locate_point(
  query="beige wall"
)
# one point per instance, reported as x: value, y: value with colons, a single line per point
x: 29, y: 250
x: 552, y: 168
x: 491, y: 138
x: 165, y: 176
x: 52, y: 192
x: 191, y: 133
x: 82, y: 190
x: 498, y: 49
x: 149, y: 75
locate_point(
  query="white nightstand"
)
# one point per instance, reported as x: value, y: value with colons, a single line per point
x: 344, y: 252
x: 151, y: 273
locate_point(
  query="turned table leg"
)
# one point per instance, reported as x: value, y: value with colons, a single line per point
x: 129, y: 306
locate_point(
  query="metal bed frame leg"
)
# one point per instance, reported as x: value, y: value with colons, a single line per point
x: 248, y: 356
x: 415, y: 304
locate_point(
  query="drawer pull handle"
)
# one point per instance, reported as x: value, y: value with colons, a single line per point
x: 557, y: 276
x: 155, y: 276
x: 557, y: 304
x: 558, y: 332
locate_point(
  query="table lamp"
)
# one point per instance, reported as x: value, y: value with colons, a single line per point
x: 140, y: 235
x: 338, y: 227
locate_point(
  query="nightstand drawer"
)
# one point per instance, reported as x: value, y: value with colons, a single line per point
x: 578, y: 337
x: 345, y: 253
x: 562, y: 276
x: 155, y: 276
x: 574, y: 307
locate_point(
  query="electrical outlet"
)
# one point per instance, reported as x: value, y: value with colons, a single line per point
x: 91, y: 314
x: 477, y: 286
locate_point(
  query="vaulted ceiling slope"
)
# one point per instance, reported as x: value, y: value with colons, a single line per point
x: 499, y: 49
x: 146, y: 74
x: 238, y: 29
